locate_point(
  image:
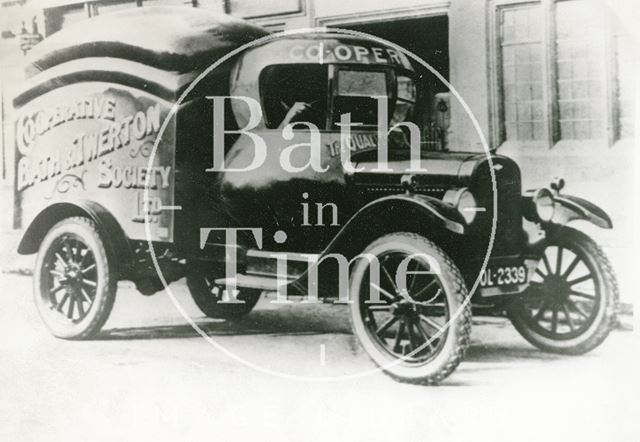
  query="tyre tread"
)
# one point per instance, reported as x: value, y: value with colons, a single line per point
x: 463, y: 323
x: 611, y: 289
x: 105, y: 303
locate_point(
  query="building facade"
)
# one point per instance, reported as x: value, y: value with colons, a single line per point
x: 552, y: 83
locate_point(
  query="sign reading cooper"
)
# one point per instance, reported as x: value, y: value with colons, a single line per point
x: 323, y: 52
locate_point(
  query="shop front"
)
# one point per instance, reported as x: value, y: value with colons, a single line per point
x: 551, y: 83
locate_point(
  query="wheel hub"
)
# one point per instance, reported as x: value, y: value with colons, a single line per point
x: 403, y: 308
x: 558, y: 287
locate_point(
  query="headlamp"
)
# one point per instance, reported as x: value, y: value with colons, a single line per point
x: 463, y: 200
x: 545, y: 205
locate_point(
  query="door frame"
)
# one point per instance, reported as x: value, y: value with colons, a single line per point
x: 391, y: 14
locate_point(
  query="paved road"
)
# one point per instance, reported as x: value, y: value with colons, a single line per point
x: 151, y: 377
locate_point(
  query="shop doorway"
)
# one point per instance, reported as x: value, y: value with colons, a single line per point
x: 428, y: 38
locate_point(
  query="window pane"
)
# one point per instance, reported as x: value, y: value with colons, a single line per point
x: 146, y: 3
x: 362, y: 83
x: 522, y: 92
x: 294, y: 93
x: 581, y: 76
x: 255, y: 8
x: 627, y: 67
x: 406, y: 88
x: 107, y: 7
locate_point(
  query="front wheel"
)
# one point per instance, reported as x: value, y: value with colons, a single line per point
x: 74, y: 282
x: 415, y: 328
x: 570, y: 305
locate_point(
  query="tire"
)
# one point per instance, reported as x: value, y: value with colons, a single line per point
x: 74, y: 281
x: 557, y: 314
x: 423, y: 348
x: 207, y: 295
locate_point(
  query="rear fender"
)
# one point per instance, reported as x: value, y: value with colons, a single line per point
x: 114, y: 237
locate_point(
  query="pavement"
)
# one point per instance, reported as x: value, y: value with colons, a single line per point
x: 149, y: 376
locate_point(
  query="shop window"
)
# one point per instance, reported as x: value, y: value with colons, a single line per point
x: 564, y: 66
x: 522, y: 70
x: 64, y: 16
x: 627, y: 69
x: 262, y: 8
x: 167, y: 2
x: 581, y: 77
x: 108, y: 7
x: 3, y: 143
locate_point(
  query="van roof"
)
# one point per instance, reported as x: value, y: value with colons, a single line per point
x: 169, y: 38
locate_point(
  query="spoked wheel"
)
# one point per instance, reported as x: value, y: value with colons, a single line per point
x: 416, y: 331
x: 209, y: 296
x: 74, y: 285
x: 570, y: 305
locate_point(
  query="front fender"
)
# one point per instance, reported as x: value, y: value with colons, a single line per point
x: 432, y: 209
x: 396, y: 213
x: 419, y: 214
x: 568, y: 208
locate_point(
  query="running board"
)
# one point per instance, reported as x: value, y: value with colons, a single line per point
x: 254, y: 282
x: 265, y: 263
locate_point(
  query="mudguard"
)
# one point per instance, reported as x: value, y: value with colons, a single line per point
x: 408, y: 212
x: 115, y: 238
x: 569, y: 208
x: 396, y: 213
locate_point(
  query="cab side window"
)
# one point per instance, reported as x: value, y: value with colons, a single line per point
x: 294, y: 93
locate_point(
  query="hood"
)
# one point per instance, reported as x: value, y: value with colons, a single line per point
x: 438, y: 171
x: 435, y: 168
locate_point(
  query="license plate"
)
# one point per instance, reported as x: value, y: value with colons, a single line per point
x: 502, y: 275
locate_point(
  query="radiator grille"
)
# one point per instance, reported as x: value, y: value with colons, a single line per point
x: 508, y: 237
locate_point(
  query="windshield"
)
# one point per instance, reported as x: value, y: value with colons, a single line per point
x: 355, y: 94
x: 300, y: 93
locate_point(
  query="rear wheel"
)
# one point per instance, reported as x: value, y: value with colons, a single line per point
x: 570, y: 305
x: 418, y: 331
x: 74, y: 283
